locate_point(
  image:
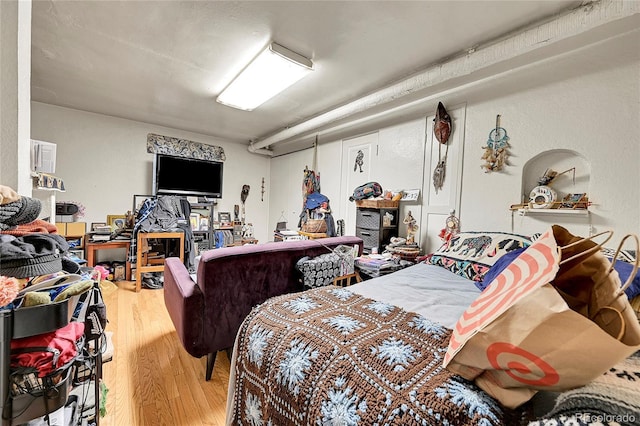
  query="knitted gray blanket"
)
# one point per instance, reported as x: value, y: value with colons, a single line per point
x: 330, y: 357
x: 611, y: 399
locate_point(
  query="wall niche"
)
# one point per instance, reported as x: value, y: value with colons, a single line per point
x: 559, y: 160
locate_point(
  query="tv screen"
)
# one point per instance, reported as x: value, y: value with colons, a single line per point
x: 187, y: 176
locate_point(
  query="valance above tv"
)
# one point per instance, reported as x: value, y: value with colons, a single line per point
x: 158, y: 144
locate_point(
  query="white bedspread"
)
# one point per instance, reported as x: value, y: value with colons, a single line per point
x: 429, y: 290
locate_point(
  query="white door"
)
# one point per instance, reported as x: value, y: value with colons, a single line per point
x: 437, y: 205
x: 358, y: 155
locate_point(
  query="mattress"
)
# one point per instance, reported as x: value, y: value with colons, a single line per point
x: 429, y: 290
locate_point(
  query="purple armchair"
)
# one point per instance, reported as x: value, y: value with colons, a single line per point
x: 230, y: 281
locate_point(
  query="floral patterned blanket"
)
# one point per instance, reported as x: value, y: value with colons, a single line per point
x: 330, y: 357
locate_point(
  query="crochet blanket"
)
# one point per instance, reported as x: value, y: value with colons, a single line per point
x: 329, y: 356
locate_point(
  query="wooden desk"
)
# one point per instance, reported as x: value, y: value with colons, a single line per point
x: 142, y: 263
x: 90, y: 249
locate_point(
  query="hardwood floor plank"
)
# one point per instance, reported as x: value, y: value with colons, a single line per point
x: 152, y: 380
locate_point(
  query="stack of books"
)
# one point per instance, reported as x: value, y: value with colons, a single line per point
x: 374, y: 266
x: 122, y: 234
x: 101, y: 233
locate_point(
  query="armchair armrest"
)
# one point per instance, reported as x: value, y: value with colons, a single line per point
x: 185, y: 304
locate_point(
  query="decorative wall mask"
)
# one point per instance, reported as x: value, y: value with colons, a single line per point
x: 496, y: 153
x: 442, y: 131
x: 243, y: 197
x: 159, y: 144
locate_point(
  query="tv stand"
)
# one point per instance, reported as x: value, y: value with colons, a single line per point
x: 204, y: 239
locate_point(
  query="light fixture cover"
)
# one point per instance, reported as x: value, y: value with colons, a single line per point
x: 272, y: 71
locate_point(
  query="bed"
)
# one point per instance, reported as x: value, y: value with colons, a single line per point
x: 372, y: 353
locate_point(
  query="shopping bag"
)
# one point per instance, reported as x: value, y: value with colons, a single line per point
x: 554, y: 319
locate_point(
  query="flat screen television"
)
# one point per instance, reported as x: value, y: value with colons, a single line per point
x: 187, y: 176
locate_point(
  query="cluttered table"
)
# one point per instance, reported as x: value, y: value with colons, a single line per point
x: 91, y: 247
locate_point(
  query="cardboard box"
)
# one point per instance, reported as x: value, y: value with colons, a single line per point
x: 118, y: 272
x: 72, y: 229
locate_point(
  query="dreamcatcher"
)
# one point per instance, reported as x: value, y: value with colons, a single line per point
x: 452, y: 227
x: 496, y: 153
x: 442, y: 131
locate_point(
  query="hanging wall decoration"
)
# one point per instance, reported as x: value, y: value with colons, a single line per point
x: 451, y: 227
x: 159, y: 144
x: 496, y: 153
x: 359, y: 161
x: 442, y: 131
x: 243, y: 198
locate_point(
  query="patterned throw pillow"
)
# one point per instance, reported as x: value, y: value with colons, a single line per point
x: 472, y: 254
x: 624, y: 255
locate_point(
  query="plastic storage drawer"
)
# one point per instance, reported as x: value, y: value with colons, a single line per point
x: 370, y: 238
x: 369, y: 219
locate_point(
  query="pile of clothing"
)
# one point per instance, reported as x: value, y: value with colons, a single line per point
x: 31, y: 252
x: 167, y: 213
x: 316, y: 209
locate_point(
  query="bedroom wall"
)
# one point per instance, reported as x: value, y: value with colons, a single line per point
x: 15, y: 87
x: 586, y: 101
x: 103, y: 161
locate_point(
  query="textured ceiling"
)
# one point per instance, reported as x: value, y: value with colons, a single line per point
x: 164, y: 62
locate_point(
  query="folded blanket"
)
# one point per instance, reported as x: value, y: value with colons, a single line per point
x: 612, y: 399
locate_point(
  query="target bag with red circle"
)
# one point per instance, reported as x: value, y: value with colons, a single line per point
x: 554, y: 319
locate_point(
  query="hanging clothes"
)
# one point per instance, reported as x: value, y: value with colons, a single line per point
x: 168, y: 213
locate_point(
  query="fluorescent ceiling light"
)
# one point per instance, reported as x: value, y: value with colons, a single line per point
x: 272, y: 71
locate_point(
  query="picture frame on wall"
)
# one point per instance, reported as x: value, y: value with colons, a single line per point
x: 116, y: 221
x: 575, y: 201
x: 224, y: 217
x: 194, y: 219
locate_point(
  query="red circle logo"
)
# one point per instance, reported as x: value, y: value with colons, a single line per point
x: 545, y: 376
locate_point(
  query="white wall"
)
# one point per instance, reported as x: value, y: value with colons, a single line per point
x: 285, y: 185
x: 15, y: 87
x: 390, y: 148
x: 587, y: 101
x: 592, y: 109
x: 103, y: 161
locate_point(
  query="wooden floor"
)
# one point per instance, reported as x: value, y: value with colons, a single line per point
x: 152, y: 380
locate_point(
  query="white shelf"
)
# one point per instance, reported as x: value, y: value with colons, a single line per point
x: 572, y: 212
